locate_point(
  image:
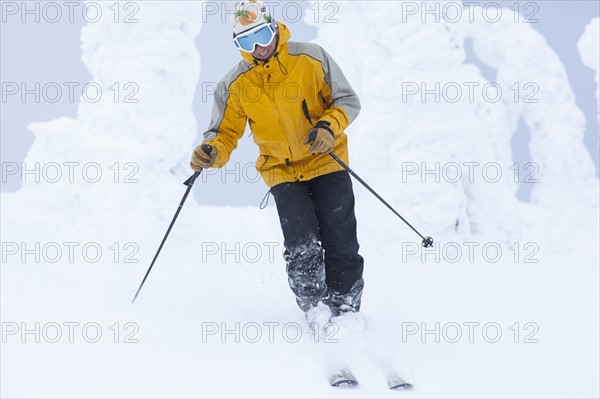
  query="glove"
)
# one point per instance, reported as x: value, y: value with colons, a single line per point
x: 323, y: 142
x: 202, y: 160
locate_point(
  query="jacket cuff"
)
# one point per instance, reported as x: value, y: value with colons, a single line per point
x: 325, y: 125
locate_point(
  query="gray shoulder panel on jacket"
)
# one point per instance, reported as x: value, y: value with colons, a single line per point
x: 221, y: 96
x: 341, y: 91
x: 313, y: 50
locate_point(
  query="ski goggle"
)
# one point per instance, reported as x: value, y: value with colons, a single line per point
x: 261, y: 35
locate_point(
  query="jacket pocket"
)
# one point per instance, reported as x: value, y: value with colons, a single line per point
x: 305, y: 112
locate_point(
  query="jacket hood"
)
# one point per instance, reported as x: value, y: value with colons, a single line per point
x: 284, y: 36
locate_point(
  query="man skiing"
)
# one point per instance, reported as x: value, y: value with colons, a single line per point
x: 298, y: 103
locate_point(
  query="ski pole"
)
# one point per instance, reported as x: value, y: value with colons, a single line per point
x: 189, y: 183
x: 427, y: 241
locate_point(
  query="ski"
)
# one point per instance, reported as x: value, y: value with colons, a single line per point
x: 397, y: 383
x: 342, y: 377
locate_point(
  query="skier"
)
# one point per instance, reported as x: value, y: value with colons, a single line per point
x: 298, y: 104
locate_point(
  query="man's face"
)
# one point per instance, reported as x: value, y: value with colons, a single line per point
x: 264, y: 53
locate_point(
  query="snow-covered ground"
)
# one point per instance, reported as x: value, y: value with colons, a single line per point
x: 188, y: 303
x: 216, y: 317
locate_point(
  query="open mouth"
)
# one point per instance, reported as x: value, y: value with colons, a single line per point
x: 262, y: 52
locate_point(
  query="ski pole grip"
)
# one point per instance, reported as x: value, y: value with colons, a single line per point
x: 207, y: 148
x: 312, y: 136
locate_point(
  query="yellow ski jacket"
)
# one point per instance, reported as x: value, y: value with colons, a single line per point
x: 282, y: 99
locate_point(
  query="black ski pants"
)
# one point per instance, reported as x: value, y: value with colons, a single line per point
x: 321, y: 246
